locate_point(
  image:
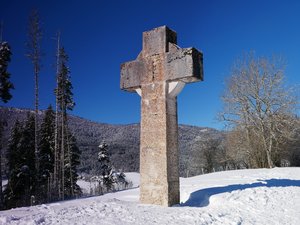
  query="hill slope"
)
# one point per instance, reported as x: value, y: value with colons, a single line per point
x: 123, y: 141
x: 262, y: 196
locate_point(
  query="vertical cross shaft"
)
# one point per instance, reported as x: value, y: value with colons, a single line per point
x: 158, y: 75
x: 159, y: 144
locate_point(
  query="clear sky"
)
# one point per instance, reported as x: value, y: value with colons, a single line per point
x: 100, y: 35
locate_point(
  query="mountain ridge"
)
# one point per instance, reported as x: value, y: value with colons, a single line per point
x: 123, y: 141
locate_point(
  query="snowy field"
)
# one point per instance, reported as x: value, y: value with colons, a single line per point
x: 86, y: 186
x: 262, y: 196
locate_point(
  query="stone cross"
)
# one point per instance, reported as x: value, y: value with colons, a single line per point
x: 158, y: 75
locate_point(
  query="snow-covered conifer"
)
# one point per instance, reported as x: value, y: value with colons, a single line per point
x: 106, y: 170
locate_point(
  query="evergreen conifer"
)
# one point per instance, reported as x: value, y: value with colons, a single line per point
x: 46, y: 155
x: 21, y: 163
x: 5, y: 84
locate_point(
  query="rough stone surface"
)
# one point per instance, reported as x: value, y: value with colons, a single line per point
x: 158, y: 75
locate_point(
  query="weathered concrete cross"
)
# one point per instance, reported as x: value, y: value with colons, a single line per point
x: 158, y: 75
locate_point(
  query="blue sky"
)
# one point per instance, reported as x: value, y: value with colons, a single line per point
x: 100, y: 35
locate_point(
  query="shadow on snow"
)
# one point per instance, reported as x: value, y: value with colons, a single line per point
x: 201, y: 197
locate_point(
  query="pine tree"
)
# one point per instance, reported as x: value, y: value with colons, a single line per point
x: 64, y: 87
x: 106, y: 169
x: 21, y: 163
x: 46, y: 155
x: 109, y: 179
x: 5, y: 84
x: 29, y: 161
x: 14, y: 146
x: 5, y: 96
x: 72, y: 160
x: 65, y: 102
x: 11, y: 194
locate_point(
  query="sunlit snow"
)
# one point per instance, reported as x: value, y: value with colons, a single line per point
x: 262, y: 196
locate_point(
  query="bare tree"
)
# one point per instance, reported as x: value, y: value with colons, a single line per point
x: 241, y: 151
x: 34, y: 54
x: 210, y: 150
x: 260, y: 106
x: 56, y: 180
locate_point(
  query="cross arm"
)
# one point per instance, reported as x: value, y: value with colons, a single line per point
x: 184, y: 64
x: 130, y: 75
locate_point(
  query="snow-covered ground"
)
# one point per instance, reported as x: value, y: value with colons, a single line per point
x: 262, y: 196
x: 86, y: 186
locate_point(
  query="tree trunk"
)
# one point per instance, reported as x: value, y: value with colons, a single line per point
x: 269, y: 153
x: 270, y: 162
x: 56, y: 161
x: 36, y: 118
x: 70, y: 166
x: 62, y: 156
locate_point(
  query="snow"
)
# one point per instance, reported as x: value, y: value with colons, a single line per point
x: 86, y: 186
x: 4, y: 183
x: 261, y: 196
x: 134, y: 178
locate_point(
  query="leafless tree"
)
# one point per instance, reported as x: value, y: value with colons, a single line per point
x: 259, y: 105
x: 243, y: 150
x: 34, y: 54
x: 209, y: 153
